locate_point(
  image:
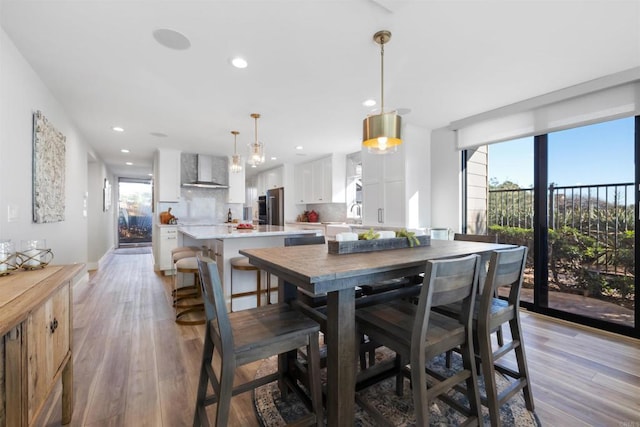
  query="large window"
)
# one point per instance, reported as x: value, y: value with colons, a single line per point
x: 570, y: 196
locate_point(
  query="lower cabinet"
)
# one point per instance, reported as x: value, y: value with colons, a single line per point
x: 47, y: 346
x: 35, y: 342
x: 167, y: 241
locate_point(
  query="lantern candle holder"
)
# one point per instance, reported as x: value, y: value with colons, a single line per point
x: 7, y: 258
x: 34, y: 254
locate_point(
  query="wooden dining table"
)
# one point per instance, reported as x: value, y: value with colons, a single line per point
x: 314, y: 269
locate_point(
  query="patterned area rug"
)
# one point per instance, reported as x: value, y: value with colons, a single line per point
x: 398, y: 411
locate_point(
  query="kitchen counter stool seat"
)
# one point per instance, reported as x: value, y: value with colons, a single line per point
x: 188, y: 303
x: 241, y: 263
x: 181, y: 292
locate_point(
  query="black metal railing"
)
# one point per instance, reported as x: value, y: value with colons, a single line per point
x: 604, y: 213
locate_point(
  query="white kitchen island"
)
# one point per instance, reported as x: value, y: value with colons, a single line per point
x: 224, y: 242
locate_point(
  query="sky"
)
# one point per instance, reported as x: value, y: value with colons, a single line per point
x: 595, y: 154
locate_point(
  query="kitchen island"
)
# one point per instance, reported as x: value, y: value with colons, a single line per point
x: 225, y: 241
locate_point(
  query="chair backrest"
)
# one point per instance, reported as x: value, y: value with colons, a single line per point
x: 506, y: 268
x: 484, y: 238
x: 446, y: 282
x: 304, y: 240
x: 218, y: 324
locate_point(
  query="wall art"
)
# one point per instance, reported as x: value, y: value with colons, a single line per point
x: 48, y: 171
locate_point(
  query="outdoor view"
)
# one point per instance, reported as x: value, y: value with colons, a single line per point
x: 591, y: 215
x: 134, y: 215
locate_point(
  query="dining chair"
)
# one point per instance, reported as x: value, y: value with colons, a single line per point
x: 418, y: 334
x: 506, y: 269
x: 247, y: 336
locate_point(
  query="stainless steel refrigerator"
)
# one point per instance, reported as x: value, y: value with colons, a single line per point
x: 275, y: 206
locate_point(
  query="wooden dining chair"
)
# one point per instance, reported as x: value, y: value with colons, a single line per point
x: 418, y: 334
x: 246, y: 336
x: 506, y: 269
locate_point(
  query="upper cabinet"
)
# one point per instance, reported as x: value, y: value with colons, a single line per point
x: 272, y: 178
x: 383, y: 188
x: 236, y: 186
x: 167, y: 175
x: 321, y: 181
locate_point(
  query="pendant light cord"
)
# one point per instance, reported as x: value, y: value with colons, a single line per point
x: 382, y: 77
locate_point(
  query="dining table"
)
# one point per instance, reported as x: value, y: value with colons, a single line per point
x: 319, y: 272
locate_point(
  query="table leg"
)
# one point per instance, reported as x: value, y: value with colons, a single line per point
x: 341, y: 357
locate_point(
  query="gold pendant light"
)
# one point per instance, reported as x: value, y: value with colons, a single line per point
x: 381, y: 132
x: 236, y: 160
x: 256, y: 150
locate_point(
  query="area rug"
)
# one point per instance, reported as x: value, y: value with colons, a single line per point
x: 398, y: 411
x: 133, y: 250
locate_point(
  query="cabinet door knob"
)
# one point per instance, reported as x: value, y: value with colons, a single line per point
x: 53, y: 325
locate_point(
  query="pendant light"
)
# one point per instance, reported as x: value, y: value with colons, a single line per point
x: 236, y: 160
x: 381, y: 132
x: 256, y: 150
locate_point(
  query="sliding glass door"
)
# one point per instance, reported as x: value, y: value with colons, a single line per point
x: 591, y: 221
x: 570, y: 196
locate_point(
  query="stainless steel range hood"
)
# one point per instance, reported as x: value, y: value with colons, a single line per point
x: 205, y: 174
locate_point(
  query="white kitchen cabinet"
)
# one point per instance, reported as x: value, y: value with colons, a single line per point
x: 236, y: 192
x: 321, y: 181
x: 383, y: 189
x: 272, y: 178
x: 167, y: 175
x: 303, y: 191
x: 167, y: 241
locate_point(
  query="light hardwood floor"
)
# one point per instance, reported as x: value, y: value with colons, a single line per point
x: 133, y: 366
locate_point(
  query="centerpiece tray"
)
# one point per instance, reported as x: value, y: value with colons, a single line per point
x: 356, y: 246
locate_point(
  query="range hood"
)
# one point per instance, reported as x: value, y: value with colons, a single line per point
x: 205, y: 174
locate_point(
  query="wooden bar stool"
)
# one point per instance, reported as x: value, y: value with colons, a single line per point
x: 189, y: 303
x: 241, y: 263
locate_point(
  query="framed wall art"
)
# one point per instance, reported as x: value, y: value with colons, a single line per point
x: 106, y: 195
x: 48, y: 171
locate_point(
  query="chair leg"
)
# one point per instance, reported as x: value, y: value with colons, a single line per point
x: 521, y: 359
x: 207, y: 357
x: 448, y: 355
x: 400, y: 376
x: 224, y: 394
x: 420, y: 392
x: 486, y: 355
x: 473, y: 394
x: 315, y: 387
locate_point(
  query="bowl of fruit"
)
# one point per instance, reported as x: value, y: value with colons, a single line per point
x: 244, y: 226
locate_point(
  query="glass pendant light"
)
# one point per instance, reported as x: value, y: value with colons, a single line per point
x: 256, y: 150
x: 381, y: 132
x: 236, y: 160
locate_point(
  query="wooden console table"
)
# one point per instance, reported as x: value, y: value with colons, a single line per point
x: 36, y: 334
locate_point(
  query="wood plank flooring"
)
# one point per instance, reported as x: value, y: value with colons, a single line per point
x: 135, y: 367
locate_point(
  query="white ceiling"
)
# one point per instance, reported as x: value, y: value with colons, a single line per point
x: 311, y: 65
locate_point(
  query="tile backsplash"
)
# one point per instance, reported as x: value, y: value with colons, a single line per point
x: 329, y: 212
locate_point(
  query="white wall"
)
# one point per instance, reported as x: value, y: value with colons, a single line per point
x: 21, y: 93
x: 100, y: 224
x: 445, y: 181
x: 417, y: 177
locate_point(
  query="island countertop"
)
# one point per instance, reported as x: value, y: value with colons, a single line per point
x: 205, y: 232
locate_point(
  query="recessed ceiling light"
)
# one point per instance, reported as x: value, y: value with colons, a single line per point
x: 239, y: 62
x: 117, y: 129
x: 124, y: 150
x: 150, y: 174
x: 129, y: 164
x: 369, y: 103
x: 158, y: 134
x: 274, y: 158
x: 171, y: 39
x: 298, y: 147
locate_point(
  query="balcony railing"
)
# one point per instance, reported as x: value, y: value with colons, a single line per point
x: 604, y: 213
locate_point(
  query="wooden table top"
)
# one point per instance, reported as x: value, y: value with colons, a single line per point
x: 314, y: 269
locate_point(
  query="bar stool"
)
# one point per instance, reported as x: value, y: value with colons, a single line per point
x: 188, y: 265
x: 182, y: 292
x: 241, y: 263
